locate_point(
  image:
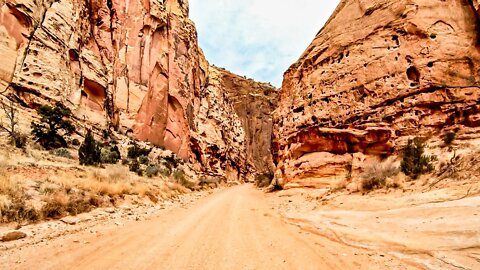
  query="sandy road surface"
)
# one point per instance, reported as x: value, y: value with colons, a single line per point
x: 234, y: 228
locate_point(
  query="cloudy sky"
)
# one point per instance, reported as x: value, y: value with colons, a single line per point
x: 258, y: 38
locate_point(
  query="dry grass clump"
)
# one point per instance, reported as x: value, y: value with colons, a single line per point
x: 61, y: 204
x: 12, y: 201
x: 375, y: 174
x: 49, y: 187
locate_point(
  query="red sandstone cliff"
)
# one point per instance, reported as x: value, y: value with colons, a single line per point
x: 133, y: 66
x: 377, y: 72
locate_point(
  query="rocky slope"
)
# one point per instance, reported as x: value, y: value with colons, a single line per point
x: 378, y: 71
x: 132, y: 66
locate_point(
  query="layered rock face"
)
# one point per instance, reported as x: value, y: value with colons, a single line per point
x: 254, y: 104
x: 378, y: 71
x: 133, y: 66
x: 234, y: 125
x: 131, y: 63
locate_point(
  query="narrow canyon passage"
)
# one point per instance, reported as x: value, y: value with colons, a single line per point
x: 235, y: 228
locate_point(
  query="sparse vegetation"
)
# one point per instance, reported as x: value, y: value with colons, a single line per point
x: 151, y: 171
x: 415, y: 162
x: 53, y: 126
x: 61, y: 152
x: 180, y: 178
x: 71, y: 191
x: 89, y: 152
x: 136, y: 151
x: 134, y: 166
x: 12, y: 202
x: 110, y: 155
x: 375, y: 175
x: 16, y: 138
x: 449, y: 138
x: 143, y: 160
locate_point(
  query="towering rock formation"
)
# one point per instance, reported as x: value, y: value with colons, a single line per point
x: 254, y: 104
x: 131, y: 65
x: 378, y: 71
x: 234, y: 125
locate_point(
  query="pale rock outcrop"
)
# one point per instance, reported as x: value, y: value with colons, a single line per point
x: 219, y: 141
x: 378, y: 71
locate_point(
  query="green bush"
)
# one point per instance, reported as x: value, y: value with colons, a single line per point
x: 143, y: 160
x: 134, y: 166
x: 110, y: 155
x: 135, y: 151
x: 151, y: 171
x: 165, y: 171
x: 180, y: 177
x: 415, y: 162
x: 449, y: 137
x: 61, y: 152
x: 89, y: 152
x: 19, y: 140
x: 53, y: 122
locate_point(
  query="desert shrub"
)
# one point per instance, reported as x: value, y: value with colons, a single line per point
x: 180, y: 178
x: 110, y: 155
x: 76, y: 142
x: 17, y: 211
x: 61, y: 152
x: 79, y: 204
x: 20, y: 140
x: 55, y: 205
x: 89, y: 151
x: 449, y: 137
x: 13, y: 207
x: 16, y: 138
x: 143, y: 160
x: 125, y: 162
x: 165, y: 171
x: 263, y: 179
x: 134, y: 166
x: 415, y: 162
x: 375, y: 175
x: 151, y: 171
x: 136, y: 151
x: 172, y: 161
x: 53, y: 126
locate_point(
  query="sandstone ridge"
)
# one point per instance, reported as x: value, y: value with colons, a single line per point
x: 378, y: 72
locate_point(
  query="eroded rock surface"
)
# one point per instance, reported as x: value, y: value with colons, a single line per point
x: 134, y: 66
x: 254, y: 104
x: 233, y: 126
x: 377, y: 72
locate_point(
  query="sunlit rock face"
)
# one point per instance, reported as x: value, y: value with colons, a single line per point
x: 134, y: 66
x: 378, y: 71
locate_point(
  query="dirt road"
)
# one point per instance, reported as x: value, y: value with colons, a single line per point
x: 234, y: 228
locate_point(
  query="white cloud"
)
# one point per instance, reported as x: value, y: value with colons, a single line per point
x: 258, y: 38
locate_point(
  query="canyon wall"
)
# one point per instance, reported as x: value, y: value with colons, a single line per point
x: 132, y: 66
x: 378, y: 72
x: 234, y: 125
